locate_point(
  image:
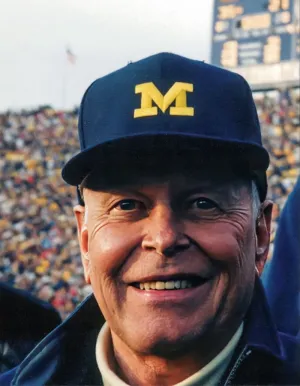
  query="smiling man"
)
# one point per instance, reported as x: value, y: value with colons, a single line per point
x: 174, y: 228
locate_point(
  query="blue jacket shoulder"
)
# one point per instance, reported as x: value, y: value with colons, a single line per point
x: 7, y: 377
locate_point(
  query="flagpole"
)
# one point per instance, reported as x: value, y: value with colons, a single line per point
x: 64, y: 82
x: 70, y: 58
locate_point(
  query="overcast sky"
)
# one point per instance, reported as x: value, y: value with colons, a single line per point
x: 103, y: 34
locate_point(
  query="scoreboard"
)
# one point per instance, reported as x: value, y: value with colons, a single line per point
x: 260, y: 39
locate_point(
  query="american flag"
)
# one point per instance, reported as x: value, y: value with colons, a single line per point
x: 70, y: 56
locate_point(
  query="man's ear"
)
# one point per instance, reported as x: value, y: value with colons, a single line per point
x: 263, y: 231
x: 83, y: 237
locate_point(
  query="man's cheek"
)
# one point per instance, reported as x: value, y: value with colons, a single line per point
x: 108, y: 291
x: 218, y: 244
x: 103, y: 249
x: 229, y: 238
x: 112, y: 245
x: 95, y: 275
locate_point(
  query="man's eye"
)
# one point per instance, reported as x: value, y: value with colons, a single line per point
x: 203, y: 203
x: 128, y: 205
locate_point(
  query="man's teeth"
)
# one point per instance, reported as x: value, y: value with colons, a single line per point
x: 166, y: 285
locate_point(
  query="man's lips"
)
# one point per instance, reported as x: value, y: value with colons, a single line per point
x: 171, y: 291
x: 171, y: 277
x: 170, y: 282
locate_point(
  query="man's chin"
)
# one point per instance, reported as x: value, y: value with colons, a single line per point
x: 166, y: 337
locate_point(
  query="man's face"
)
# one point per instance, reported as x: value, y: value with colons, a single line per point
x: 172, y: 257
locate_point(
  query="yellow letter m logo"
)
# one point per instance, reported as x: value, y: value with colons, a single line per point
x: 150, y: 93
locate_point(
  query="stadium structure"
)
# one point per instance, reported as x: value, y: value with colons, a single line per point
x: 258, y: 39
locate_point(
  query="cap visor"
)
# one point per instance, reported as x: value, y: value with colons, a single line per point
x: 138, y: 147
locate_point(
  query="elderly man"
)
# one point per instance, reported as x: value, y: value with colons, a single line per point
x: 174, y: 231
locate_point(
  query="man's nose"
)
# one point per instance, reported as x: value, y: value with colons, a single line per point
x: 164, y: 233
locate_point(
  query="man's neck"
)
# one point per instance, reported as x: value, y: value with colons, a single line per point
x: 145, y: 370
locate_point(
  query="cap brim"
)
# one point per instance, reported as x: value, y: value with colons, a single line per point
x: 138, y: 146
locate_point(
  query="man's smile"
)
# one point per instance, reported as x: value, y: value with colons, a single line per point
x: 170, y: 282
x: 181, y: 290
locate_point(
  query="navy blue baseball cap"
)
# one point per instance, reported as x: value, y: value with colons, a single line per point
x: 168, y: 98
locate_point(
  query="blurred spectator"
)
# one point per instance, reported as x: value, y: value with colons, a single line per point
x: 282, y: 276
x: 38, y: 236
x: 25, y: 320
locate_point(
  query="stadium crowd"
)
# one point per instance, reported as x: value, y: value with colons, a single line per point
x: 279, y: 115
x: 38, y: 238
